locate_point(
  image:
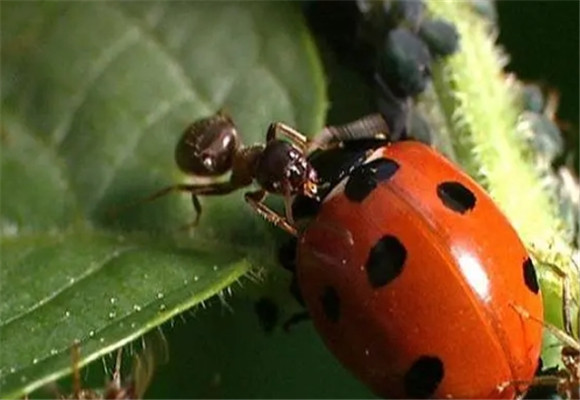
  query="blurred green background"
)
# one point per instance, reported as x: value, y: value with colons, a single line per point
x: 542, y: 39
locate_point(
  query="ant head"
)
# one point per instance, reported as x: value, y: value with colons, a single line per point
x: 284, y: 169
x: 207, y: 146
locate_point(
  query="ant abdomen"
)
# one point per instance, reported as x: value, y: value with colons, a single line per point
x: 207, y: 146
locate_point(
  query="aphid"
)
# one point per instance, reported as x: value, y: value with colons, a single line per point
x: 394, y: 43
x: 539, y: 116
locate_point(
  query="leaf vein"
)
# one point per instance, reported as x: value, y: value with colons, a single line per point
x: 176, y: 69
x: 86, y: 274
x: 104, y: 61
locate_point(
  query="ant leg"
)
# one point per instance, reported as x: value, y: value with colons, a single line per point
x: 255, y: 199
x: 567, y: 303
x: 197, y: 208
x: 210, y: 189
x: 547, y: 380
x: 558, y: 333
x: 117, y: 371
x: 76, y: 355
x: 296, y: 137
x: 372, y: 126
x: 566, y: 298
x: 160, y: 193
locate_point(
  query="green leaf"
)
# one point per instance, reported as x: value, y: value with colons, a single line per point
x: 94, y: 98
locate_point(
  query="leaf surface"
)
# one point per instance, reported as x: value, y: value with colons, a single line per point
x: 94, y: 98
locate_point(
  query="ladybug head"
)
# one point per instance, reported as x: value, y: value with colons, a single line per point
x: 283, y: 169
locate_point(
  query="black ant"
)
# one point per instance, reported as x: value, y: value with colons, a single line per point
x: 210, y: 147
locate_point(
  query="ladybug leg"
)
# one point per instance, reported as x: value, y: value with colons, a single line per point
x: 287, y: 254
x: 296, y: 292
x: 287, y: 258
x: 567, y: 339
x: 295, y: 137
x: 567, y: 301
x: 295, y: 319
x: 267, y: 312
x: 566, y: 381
x: 372, y: 126
x: 210, y: 189
x: 255, y: 200
x: 160, y: 193
x: 299, y: 317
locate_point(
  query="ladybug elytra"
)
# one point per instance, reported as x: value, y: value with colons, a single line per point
x: 410, y: 272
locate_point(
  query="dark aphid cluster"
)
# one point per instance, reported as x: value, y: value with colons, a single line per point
x: 539, y: 109
x: 545, y: 138
x: 392, y: 43
x: 407, y: 42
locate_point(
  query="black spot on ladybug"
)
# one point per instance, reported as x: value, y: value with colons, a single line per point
x: 386, y: 261
x: 267, y: 312
x: 456, y: 197
x: 423, y: 378
x: 530, y: 277
x: 364, y: 179
x: 331, y: 304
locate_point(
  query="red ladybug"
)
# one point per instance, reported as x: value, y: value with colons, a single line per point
x: 410, y: 273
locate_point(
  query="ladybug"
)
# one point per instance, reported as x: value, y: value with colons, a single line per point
x: 409, y: 272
